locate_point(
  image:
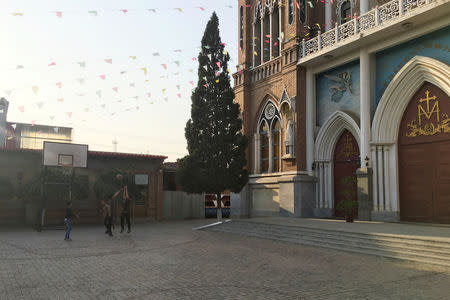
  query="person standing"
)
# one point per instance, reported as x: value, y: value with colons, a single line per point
x: 107, y: 217
x: 68, y: 220
x: 125, y: 210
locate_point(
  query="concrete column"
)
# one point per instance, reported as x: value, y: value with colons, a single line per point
x: 257, y: 144
x: 330, y: 185
x: 328, y: 20
x: 375, y: 178
x: 310, y: 103
x: 364, y: 104
x: 380, y: 165
x: 322, y: 185
x: 387, y: 189
x: 317, y: 174
x: 363, y: 6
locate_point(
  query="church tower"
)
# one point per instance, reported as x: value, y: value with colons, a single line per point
x: 3, y: 113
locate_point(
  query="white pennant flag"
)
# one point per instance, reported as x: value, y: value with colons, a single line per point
x: 99, y: 93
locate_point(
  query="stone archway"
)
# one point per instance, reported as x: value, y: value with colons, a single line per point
x: 386, y: 126
x: 325, y: 145
x: 424, y: 157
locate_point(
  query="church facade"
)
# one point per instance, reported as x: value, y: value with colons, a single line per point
x: 345, y: 99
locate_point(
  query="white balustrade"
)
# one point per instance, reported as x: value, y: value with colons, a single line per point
x: 375, y: 17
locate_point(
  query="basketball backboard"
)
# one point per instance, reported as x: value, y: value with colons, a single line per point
x: 65, y: 154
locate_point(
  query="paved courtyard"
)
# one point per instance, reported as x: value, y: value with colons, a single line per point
x: 168, y: 260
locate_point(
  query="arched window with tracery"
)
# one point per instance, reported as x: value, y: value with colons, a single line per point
x: 264, y: 148
x: 276, y: 142
x: 268, y: 145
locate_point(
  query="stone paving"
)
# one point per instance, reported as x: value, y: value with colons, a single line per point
x: 168, y: 260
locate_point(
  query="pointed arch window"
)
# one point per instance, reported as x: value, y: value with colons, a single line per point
x: 268, y: 146
x: 346, y: 12
x: 241, y: 28
x: 291, y: 11
x: 264, y: 136
x: 276, y: 142
x: 302, y: 12
x: 257, y: 39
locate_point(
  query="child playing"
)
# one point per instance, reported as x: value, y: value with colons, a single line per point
x: 68, y: 220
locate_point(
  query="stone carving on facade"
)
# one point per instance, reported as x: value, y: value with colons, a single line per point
x: 340, y: 84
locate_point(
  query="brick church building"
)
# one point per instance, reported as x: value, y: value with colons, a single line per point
x: 345, y: 89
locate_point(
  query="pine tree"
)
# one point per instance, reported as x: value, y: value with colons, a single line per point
x: 215, y: 143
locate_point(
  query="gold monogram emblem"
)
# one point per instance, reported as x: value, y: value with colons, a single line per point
x: 433, y: 122
x: 348, y: 150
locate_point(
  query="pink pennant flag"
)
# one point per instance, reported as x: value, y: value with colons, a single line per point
x: 191, y: 82
x: 223, y: 44
x: 179, y: 95
x: 248, y: 5
x: 108, y: 60
x: 115, y: 89
x: 218, y: 64
x: 194, y: 58
x: 205, y: 85
x: 202, y: 8
x: 33, y: 122
x: 102, y: 77
x: 59, y: 14
x: 124, y: 11
x: 149, y: 94
x: 59, y: 84
x: 164, y: 66
x: 69, y: 114
x: 52, y: 64
x: 21, y: 108
x: 298, y: 5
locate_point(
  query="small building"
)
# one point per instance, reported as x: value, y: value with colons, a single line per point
x: 14, y: 135
x: 21, y: 177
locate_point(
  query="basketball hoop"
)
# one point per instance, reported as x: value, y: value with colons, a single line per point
x: 66, y: 169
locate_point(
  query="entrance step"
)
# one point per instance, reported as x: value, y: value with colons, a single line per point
x: 419, y: 249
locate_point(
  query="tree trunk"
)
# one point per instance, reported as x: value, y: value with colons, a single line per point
x: 219, y: 207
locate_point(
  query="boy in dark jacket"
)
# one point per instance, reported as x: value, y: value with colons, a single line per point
x: 68, y: 220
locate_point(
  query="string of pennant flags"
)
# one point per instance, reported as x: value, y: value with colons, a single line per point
x: 122, y: 11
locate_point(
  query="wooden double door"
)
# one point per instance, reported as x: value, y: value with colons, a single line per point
x: 424, y: 157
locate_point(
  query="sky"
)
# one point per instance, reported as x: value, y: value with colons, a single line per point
x: 97, y: 66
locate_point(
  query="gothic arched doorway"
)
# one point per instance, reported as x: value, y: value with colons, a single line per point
x: 346, y: 161
x: 424, y: 157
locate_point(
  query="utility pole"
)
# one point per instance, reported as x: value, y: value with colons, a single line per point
x: 115, y: 142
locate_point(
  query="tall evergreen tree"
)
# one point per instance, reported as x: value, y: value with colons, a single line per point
x: 215, y: 143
